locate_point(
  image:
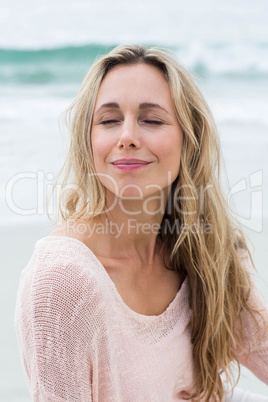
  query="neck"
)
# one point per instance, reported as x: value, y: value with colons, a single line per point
x: 130, y: 229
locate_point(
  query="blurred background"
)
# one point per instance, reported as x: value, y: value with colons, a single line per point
x: 46, y: 48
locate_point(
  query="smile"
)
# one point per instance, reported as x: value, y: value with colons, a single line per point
x: 130, y: 164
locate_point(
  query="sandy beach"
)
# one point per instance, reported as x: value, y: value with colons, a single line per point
x: 17, y: 247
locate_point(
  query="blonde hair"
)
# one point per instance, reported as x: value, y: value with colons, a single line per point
x: 219, y: 285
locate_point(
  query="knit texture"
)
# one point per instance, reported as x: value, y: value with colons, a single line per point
x: 79, y: 341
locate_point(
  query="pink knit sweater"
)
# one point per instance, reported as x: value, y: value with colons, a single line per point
x: 80, y: 342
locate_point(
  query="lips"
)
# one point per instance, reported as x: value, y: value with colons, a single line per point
x: 130, y: 162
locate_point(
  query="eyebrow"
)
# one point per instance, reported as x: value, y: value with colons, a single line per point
x: 152, y: 106
x: 145, y: 105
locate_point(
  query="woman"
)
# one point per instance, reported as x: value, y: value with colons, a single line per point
x: 144, y: 293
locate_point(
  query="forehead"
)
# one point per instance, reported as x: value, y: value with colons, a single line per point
x: 136, y: 82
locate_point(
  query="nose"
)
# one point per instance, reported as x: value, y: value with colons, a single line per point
x: 129, y: 136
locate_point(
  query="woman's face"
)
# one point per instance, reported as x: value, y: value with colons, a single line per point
x: 136, y: 137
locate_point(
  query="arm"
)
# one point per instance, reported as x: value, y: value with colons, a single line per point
x: 255, y: 356
x: 54, y: 330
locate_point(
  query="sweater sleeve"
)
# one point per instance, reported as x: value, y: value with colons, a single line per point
x: 255, y: 353
x: 55, y: 327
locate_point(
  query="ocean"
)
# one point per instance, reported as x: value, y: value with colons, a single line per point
x: 46, y: 50
x: 38, y: 85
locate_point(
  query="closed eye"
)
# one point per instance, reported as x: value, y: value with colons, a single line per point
x: 157, y: 122
x: 109, y: 121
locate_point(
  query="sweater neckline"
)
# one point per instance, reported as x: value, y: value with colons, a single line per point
x: 180, y: 296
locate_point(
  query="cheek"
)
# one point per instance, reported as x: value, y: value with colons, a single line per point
x: 170, y: 153
x: 99, y: 148
x: 170, y: 149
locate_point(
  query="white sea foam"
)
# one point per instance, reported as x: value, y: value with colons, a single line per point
x: 31, y: 24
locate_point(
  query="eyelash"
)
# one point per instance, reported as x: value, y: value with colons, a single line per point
x: 156, y: 122
x: 109, y: 121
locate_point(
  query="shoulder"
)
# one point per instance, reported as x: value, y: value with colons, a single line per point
x: 62, y: 267
x: 246, y: 261
x: 68, y: 245
x: 84, y: 231
x: 61, y: 283
x: 79, y: 230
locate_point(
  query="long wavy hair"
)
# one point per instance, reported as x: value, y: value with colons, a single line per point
x: 208, y: 255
